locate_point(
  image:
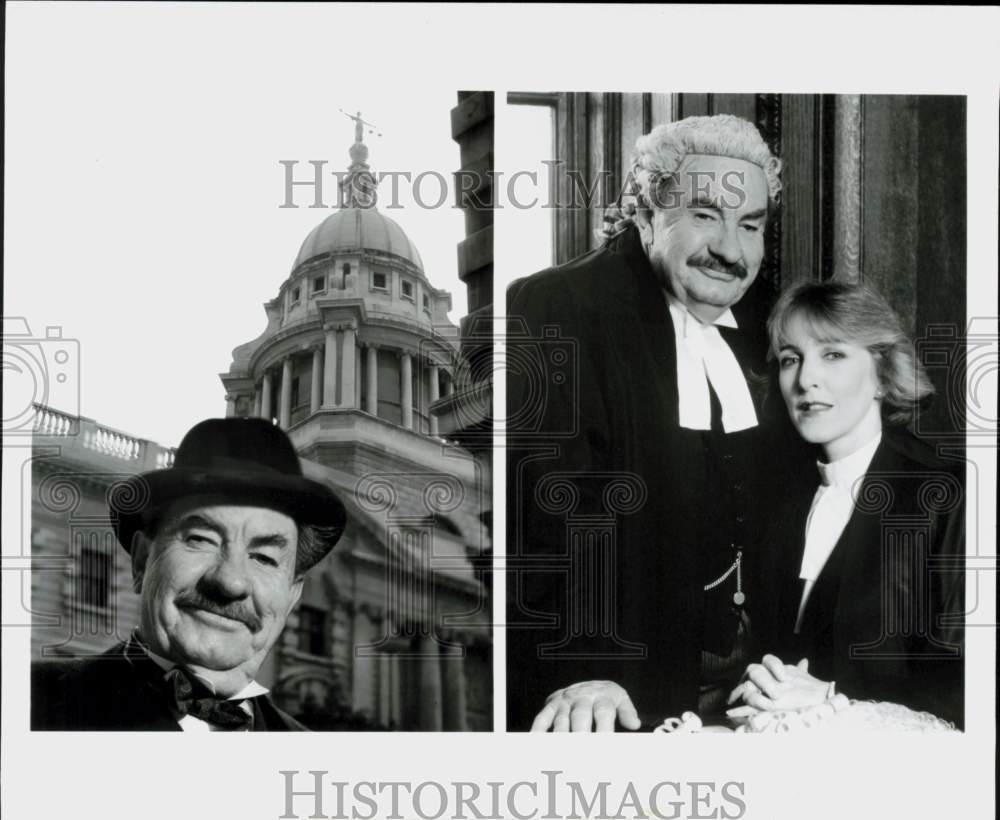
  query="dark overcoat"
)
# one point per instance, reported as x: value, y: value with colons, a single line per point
x: 111, y: 692
x: 884, y: 619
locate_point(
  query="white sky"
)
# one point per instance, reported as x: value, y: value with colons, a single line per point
x: 143, y: 185
x: 531, y: 225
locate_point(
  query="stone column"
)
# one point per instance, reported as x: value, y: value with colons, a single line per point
x: 330, y: 367
x: 265, y: 396
x: 357, y: 376
x: 385, y: 680
x: 453, y: 690
x: 435, y: 395
x: 315, y: 396
x: 348, y: 375
x: 406, y: 377
x: 230, y: 405
x: 285, y: 409
x: 430, y: 685
x: 256, y: 403
x: 449, y: 384
x: 372, y: 368
x: 395, y: 692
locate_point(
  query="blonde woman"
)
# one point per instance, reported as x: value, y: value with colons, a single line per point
x: 865, y: 561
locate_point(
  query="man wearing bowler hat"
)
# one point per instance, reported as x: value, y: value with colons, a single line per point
x: 220, y: 544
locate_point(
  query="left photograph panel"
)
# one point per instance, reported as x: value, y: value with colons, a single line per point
x: 277, y: 520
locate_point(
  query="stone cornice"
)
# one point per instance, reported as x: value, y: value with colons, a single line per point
x: 465, y: 586
x: 391, y: 260
x: 306, y: 334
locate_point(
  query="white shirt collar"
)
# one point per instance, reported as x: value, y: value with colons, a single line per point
x: 703, y: 358
x: 844, y: 473
x: 688, y: 322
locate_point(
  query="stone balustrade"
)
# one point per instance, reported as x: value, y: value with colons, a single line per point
x: 72, y: 432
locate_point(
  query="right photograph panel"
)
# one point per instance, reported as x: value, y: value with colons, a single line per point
x: 736, y: 426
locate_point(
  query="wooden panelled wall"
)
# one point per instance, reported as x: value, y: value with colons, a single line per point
x: 874, y: 189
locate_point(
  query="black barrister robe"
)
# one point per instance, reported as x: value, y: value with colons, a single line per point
x: 617, y: 517
x: 885, y: 616
x: 110, y: 693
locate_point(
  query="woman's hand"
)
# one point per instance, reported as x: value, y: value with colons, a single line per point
x: 772, y: 685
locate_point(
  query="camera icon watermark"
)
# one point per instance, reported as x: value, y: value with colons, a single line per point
x: 461, y: 403
x: 964, y: 366
x: 37, y: 370
x: 542, y: 383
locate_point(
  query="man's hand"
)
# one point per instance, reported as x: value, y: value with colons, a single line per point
x: 587, y: 707
x: 772, y: 685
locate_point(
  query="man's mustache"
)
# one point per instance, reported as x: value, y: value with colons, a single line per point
x: 234, y: 610
x: 737, y: 269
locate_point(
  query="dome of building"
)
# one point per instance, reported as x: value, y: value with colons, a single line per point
x: 358, y: 229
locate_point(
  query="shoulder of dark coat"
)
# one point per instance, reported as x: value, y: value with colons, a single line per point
x: 65, y: 671
x: 600, y: 275
x: 917, y: 453
x: 925, y: 483
x: 62, y: 688
x: 61, y: 668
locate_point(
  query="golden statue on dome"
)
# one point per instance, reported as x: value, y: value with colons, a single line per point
x: 359, y: 126
x: 358, y: 189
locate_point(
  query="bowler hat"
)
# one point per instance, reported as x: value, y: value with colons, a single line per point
x: 250, y: 460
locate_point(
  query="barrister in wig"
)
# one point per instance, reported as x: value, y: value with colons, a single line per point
x: 866, y: 561
x: 220, y: 544
x: 654, y: 427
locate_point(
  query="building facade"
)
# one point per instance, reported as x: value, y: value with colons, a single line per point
x: 392, y: 630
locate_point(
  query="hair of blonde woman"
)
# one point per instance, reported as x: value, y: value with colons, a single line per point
x: 857, y: 314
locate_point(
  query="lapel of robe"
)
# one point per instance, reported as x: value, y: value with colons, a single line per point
x: 657, y: 330
x: 863, y: 532
x: 268, y: 718
x: 737, y: 338
x: 262, y: 716
x: 790, y: 585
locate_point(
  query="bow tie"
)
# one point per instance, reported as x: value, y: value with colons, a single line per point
x: 190, y: 697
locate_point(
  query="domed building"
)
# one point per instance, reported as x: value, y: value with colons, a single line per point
x: 392, y: 629
x: 356, y: 325
x: 357, y: 363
